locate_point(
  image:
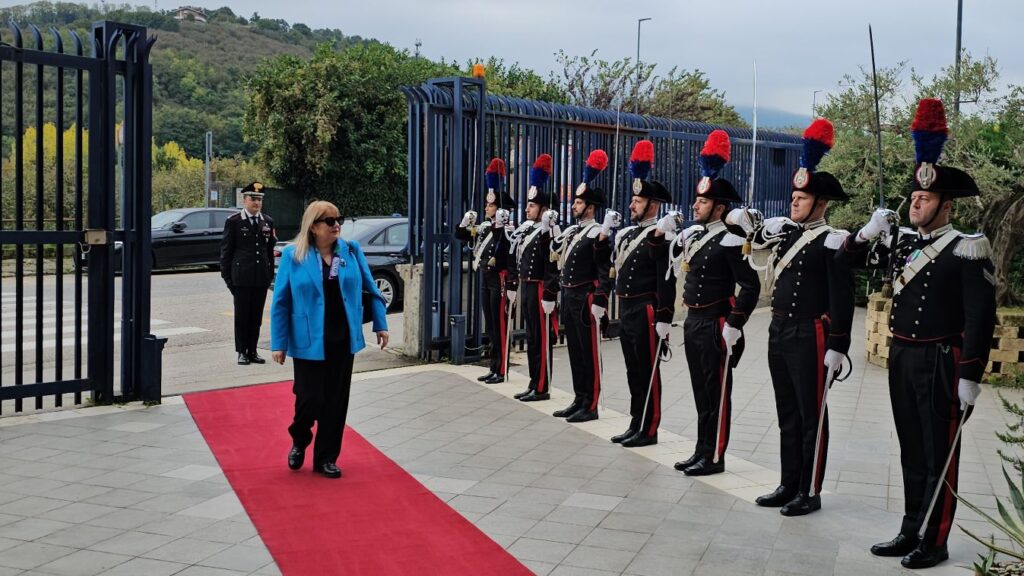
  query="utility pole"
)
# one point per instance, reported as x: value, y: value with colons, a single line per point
x: 638, y: 23
x: 956, y: 69
x: 418, y: 44
x: 209, y: 157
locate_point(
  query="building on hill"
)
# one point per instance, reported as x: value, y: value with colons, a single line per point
x: 191, y: 13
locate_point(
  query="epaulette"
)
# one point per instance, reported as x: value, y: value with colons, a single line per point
x: 594, y: 232
x: 835, y: 239
x: 973, y: 247
x: 729, y: 239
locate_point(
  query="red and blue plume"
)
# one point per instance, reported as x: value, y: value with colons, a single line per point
x: 596, y: 163
x: 715, y: 154
x: 541, y: 171
x: 495, y: 173
x: 641, y: 160
x: 818, y: 140
x: 929, y: 130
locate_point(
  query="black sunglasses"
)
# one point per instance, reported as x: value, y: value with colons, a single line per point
x: 331, y: 220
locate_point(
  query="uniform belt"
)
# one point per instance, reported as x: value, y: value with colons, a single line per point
x: 798, y: 316
x: 588, y: 285
x: 720, y: 308
x: 954, y: 339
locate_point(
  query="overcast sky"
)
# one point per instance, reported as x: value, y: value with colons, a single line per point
x: 800, y: 45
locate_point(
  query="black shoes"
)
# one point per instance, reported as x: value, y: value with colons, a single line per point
x: 243, y: 360
x: 256, y: 359
x: 534, y: 397
x: 925, y: 556
x: 486, y: 377
x: 494, y: 379
x: 582, y: 415
x: 706, y: 467
x: 328, y: 469
x: 780, y: 497
x: 567, y: 411
x: 640, y: 439
x: 901, y: 545
x: 684, y: 464
x: 624, y: 436
x: 526, y: 392
x: 801, y: 505
x: 295, y: 457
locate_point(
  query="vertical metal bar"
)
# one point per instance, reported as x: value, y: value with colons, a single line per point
x: 39, y: 209
x: 1, y: 221
x: 79, y: 224
x: 19, y: 218
x: 59, y: 219
x: 129, y: 273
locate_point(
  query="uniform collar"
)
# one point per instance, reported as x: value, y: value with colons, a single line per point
x: 937, y: 232
x: 814, y: 224
x: 584, y: 223
x: 246, y: 215
x: 649, y: 222
x: 715, y: 226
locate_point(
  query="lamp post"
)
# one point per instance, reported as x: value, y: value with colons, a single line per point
x: 639, y: 21
x: 814, y: 104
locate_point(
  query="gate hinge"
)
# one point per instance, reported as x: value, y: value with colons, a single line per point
x: 97, y: 237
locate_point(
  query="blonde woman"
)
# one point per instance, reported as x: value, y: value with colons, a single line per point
x: 316, y: 318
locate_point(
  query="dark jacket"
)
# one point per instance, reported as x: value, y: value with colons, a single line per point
x: 490, y: 254
x: 247, y: 251
x: 587, y: 263
x: 641, y: 273
x: 715, y: 270
x: 532, y: 262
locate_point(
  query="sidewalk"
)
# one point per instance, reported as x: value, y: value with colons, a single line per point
x: 133, y: 490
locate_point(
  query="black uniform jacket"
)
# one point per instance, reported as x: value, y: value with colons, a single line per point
x: 490, y: 253
x: 534, y: 262
x: 641, y: 273
x: 588, y: 262
x: 247, y: 251
x: 715, y: 270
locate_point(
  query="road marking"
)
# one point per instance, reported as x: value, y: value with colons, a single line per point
x: 68, y: 328
x: 160, y: 332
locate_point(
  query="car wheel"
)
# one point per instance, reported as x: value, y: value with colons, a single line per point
x: 386, y: 287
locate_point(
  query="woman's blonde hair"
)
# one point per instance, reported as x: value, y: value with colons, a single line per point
x: 304, y: 239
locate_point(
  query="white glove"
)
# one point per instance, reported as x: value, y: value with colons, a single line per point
x: 662, y: 329
x: 880, y: 222
x: 511, y: 295
x: 746, y: 218
x: 548, y: 306
x: 483, y: 228
x: 669, y: 223
x: 833, y: 361
x: 597, y: 311
x: 548, y: 220
x: 468, y: 220
x: 968, y: 392
x: 731, y: 336
x: 775, y: 225
x: 691, y: 230
x: 612, y: 220
x: 501, y: 218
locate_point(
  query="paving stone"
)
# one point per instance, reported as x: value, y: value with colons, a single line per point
x: 616, y: 539
x: 186, y: 550
x: 83, y: 563
x: 79, y: 536
x: 241, y: 558
x: 597, y: 558
x: 542, y: 550
x: 32, y: 555
x: 132, y: 543
x: 31, y: 529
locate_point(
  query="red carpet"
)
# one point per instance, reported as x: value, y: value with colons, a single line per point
x: 375, y: 520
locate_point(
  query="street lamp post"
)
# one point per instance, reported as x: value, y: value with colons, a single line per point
x: 814, y: 104
x: 638, y: 23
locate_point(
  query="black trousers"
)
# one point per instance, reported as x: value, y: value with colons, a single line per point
x: 249, y: 302
x: 796, y: 360
x: 495, y: 326
x: 581, y: 338
x: 923, y: 382
x: 321, y: 391
x: 706, y: 358
x: 639, y: 342
x: 539, y: 343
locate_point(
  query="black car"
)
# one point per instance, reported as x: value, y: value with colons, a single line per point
x: 184, y: 237
x: 383, y: 240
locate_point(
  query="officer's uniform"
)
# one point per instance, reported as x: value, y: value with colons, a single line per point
x: 491, y: 257
x: 247, y: 266
x: 584, y: 259
x: 812, y: 312
x: 714, y: 265
x: 538, y: 280
x: 942, y: 322
x: 646, y: 297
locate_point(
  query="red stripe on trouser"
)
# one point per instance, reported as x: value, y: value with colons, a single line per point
x: 503, y: 325
x: 655, y: 413
x: 946, y: 520
x: 819, y: 332
x: 542, y: 381
x: 724, y: 398
x: 594, y: 343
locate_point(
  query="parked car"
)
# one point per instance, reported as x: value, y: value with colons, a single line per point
x: 183, y: 237
x: 383, y: 240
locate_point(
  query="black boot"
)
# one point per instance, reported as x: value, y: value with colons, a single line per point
x: 534, y: 397
x: 640, y: 439
x: 256, y: 359
x: 625, y: 435
x: 583, y: 415
x: 801, y: 505
x: 706, y: 467
x: 243, y: 359
x: 523, y: 393
x: 925, y: 556
x: 901, y: 545
x: 567, y: 411
x: 485, y: 377
x: 684, y: 464
x: 779, y: 497
x: 495, y: 379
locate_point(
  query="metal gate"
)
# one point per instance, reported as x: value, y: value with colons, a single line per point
x: 450, y: 143
x: 75, y: 195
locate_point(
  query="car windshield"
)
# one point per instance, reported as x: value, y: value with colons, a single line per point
x: 164, y: 218
x: 354, y: 229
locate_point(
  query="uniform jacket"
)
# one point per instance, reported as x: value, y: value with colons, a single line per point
x: 531, y: 262
x: 586, y: 261
x: 715, y: 270
x: 247, y: 251
x: 493, y: 257
x: 642, y: 272
x: 297, y: 310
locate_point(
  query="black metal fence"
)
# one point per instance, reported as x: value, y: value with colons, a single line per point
x: 450, y: 142
x: 75, y: 198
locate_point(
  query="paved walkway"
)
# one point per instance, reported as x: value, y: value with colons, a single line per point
x: 133, y: 490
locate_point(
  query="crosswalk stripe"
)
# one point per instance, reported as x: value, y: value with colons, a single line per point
x: 164, y: 332
x: 30, y: 332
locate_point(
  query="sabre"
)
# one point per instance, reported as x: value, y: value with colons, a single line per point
x: 721, y: 404
x: 894, y: 230
x: 753, y: 146
x: 938, y: 483
x: 817, y: 438
x: 615, y: 160
x: 650, y: 384
x: 597, y: 347
x: 508, y: 336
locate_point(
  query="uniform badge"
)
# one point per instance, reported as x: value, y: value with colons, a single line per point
x: 638, y: 186
x: 704, y: 185
x: 532, y: 193
x: 491, y: 262
x: 581, y: 189
x: 925, y: 175
x: 491, y: 198
x: 801, y: 178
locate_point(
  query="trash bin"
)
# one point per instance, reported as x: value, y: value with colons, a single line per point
x: 458, y: 343
x: 152, y: 352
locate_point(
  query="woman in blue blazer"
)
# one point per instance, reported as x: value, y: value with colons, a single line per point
x: 316, y: 318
